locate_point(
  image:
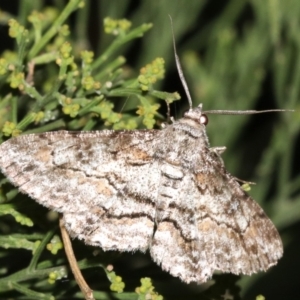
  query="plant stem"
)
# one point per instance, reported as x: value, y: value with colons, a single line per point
x: 71, y: 6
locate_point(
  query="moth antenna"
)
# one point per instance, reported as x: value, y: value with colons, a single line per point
x: 219, y: 112
x: 244, y: 112
x: 179, y: 68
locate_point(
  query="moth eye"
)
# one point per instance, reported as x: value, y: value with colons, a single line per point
x: 204, y: 119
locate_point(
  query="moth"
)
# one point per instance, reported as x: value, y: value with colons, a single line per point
x: 166, y: 191
x: 163, y: 190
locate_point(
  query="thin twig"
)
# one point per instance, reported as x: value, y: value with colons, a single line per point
x: 85, y: 289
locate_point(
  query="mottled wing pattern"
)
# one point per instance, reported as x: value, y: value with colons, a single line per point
x: 132, y: 190
x: 214, y: 225
x: 205, y: 221
x: 103, y: 182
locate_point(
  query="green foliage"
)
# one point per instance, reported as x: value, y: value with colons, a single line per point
x: 83, y: 87
x: 8, y: 209
x: 117, y: 285
x: 146, y: 290
x: 52, y: 80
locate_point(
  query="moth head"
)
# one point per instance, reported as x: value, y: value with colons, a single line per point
x: 196, y: 115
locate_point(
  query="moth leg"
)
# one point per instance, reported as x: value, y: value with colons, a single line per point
x: 218, y: 150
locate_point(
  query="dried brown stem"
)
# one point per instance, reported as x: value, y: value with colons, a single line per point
x: 85, y: 289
